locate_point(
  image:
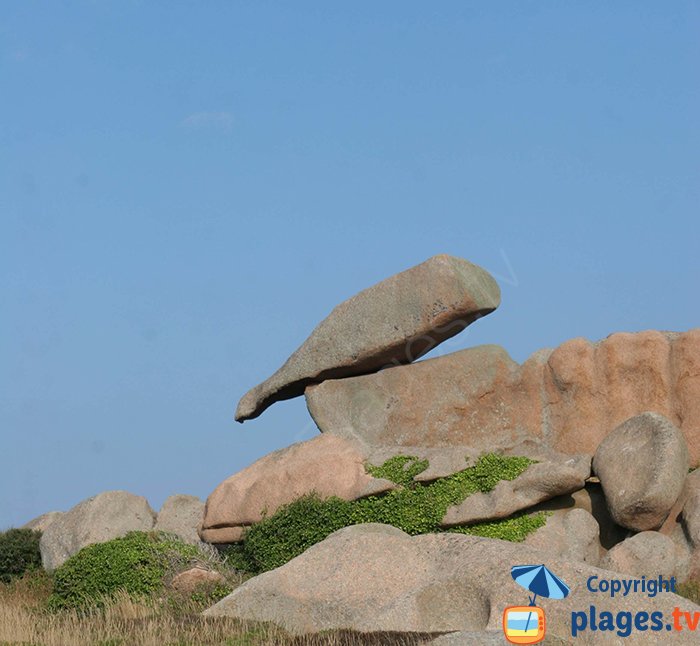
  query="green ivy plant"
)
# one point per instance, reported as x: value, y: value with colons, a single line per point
x: 401, y: 469
x: 514, y: 529
x: 416, y: 508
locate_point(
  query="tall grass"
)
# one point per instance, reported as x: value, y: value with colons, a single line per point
x: 173, y: 621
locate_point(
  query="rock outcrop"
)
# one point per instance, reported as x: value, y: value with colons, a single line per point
x: 41, y: 523
x: 570, y: 398
x: 96, y: 520
x: 326, y: 464
x: 376, y: 578
x: 592, y: 500
x: 642, y: 466
x: 649, y: 554
x: 181, y: 515
x: 394, y: 322
x: 572, y: 535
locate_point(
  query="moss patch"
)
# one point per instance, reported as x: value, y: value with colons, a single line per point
x: 415, y: 508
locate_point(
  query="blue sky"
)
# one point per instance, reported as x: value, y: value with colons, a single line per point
x: 186, y: 190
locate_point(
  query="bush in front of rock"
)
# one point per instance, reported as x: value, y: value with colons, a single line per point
x: 139, y: 564
x: 19, y: 553
x: 98, y: 519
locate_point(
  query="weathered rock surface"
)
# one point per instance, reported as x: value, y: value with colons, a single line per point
x: 181, y: 515
x: 443, y: 402
x: 376, y: 578
x: 592, y: 500
x: 326, y: 464
x: 196, y: 577
x: 570, y: 397
x: 394, y: 322
x: 647, y: 554
x: 691, y: 510
x: 540, y: 481
x: 41, y: 523
x: 572, y: 535
x: 642, y: 466
x: 96, y: 520
x: 682, y: 532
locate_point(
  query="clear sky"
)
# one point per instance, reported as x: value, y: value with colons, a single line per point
x: 186, y: 189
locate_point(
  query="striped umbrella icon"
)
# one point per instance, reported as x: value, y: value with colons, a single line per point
x: 541, y: 581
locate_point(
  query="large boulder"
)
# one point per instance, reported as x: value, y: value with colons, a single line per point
x: 181, y: 515
x: 376, y: 578
x: 642, y: 466
x: 649, y: 554
x: 453, y: 400
x: 96, y: 520
x: 572, y: 535
x: 394, y: 322
x: 326, y: 464
x: 41, y: 523
x: 540, y: 481
x: 570, y: 397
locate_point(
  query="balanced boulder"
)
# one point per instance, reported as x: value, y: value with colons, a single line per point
x: 374, y: 578
x: 326, y: 465
x: 570, y: 397
x: 393, y: 322
x: 181, y: 515
x: 642, y: 466
x: 96, y: 520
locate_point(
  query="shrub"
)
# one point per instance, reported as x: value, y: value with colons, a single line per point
x: 415, y: 508
x: 292, y: 529
x: 136, y: 563
x: 19, y: 553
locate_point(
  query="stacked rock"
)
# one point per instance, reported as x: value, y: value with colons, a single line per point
x: 631, y: 399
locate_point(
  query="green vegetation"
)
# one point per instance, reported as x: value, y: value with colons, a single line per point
x: 137, y: 564
x: 401, y: 469
x: 513, y: 529
x: 416, y: 508
x: 19, y: 553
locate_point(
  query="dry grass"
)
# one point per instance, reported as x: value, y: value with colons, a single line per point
x: 165, y: 622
